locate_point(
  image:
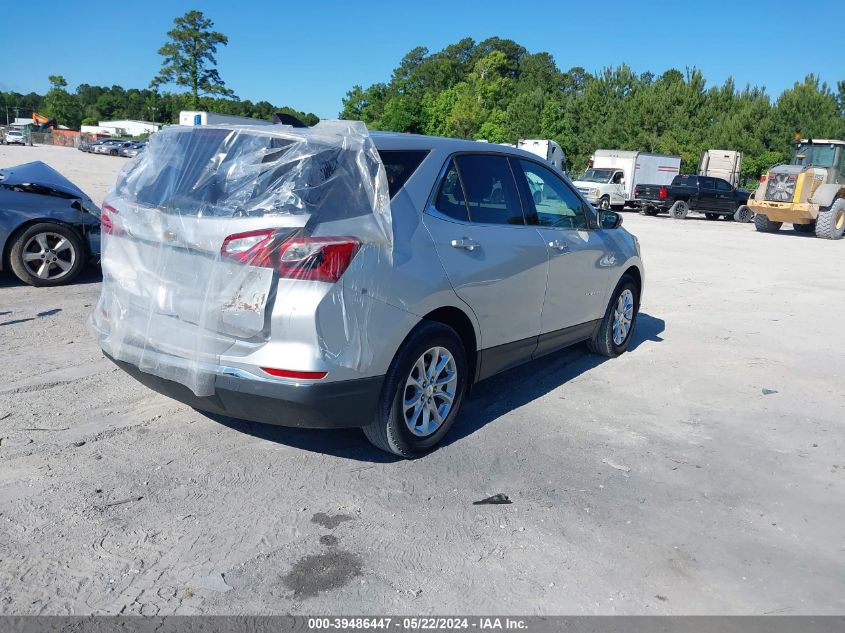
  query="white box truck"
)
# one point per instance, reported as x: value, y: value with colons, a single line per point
x: 721, y: 163
x: 612, y: 174
x: 545, y: 149
x: 196, y: 117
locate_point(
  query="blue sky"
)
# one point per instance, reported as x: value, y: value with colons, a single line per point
x: 308, y: 54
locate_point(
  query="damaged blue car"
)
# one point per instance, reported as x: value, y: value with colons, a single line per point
x: 49, y: 228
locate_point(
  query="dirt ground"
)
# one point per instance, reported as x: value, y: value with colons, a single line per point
x: 701, y: 473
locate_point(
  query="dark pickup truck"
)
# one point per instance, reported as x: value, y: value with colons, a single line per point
x: 713, y: 197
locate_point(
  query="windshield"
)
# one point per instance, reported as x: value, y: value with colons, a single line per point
x: 597, y: 175
x: 808, y: 155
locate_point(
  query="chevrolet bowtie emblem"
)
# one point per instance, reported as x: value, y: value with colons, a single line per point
x: 169, y: 236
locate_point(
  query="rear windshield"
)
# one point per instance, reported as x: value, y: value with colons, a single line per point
x: 223, y: 172
x: 691, y: 181
x: 399, y: 166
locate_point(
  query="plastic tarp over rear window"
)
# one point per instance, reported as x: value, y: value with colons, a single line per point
x: 210, y: 227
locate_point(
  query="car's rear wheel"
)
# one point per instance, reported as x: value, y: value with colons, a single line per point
x: 47, y: 254
x: 830, y: 224
x: 423, y: 392
x: 679, y: 210
x: 617, y: 326
x: 765, y: 225
x: 743, y: 213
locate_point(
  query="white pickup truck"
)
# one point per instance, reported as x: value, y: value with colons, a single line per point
x: 612, y: 175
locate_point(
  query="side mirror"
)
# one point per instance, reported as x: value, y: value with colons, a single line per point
x: 610, y: 219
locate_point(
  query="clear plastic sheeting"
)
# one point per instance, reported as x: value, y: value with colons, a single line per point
x: 213, y: 231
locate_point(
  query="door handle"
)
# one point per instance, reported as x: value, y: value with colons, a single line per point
x: 558, y: 245
x: 466, y: 243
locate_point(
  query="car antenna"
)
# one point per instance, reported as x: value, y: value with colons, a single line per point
x: 289, y: 119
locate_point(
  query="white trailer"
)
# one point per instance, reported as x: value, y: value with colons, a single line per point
x: 721, y: 163
x: 196, y: 117
x: 612, y: 174
x: 545, y: 149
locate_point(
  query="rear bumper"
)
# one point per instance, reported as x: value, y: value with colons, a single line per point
x: 645, y: 202
x: 341, y: 404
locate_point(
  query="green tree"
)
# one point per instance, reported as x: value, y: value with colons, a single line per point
x: 190, y: 57
x: 60, y: 105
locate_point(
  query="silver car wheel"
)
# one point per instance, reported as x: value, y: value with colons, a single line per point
x: 430, y: 391
x: 623, y: 315
x: 48, y: 256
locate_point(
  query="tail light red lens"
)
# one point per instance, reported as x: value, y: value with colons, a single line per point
x: 764, y: 178
x: 663, y: 193
x: 311, y: 258
x: 107, y: 221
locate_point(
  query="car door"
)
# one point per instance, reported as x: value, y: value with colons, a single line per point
x: 617, y: 193
x: 707, y: 200
x: 495, y: 262
x: 579, y: 260
x: 725, y: 199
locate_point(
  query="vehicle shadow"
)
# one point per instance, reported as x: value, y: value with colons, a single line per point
x: 90, y: 275
x: 490, y: 400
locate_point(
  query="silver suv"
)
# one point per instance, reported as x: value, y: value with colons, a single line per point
x: 492, y: 259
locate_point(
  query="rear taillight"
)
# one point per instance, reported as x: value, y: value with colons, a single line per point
x: 107, y: 221
x: 311, y: 258
x: 764, y: 178
x: 663, y: 193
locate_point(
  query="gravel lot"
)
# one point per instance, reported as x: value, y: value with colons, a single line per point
x: 701, y: 473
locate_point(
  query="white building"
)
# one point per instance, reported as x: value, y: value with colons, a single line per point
x: 124, y: 127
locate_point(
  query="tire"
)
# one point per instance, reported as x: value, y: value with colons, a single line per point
x: 651, y: 211
x: 831, y: 221
x: 39, y: 241
x: 604, y: 203
x: 805, y: 228
x: 389, y: 431
x: 743, y: 213
x: 679, y: 210
x: 711, y: 216
x: 112, y: 152
x: 765, y: 225
x: 605, y: 341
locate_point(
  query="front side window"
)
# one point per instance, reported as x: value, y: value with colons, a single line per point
x: 491, y: 193
x: 722, y: 185
x: 705, y: 182
x: 555, y: 204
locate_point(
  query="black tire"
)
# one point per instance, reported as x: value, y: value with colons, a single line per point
x: 830, y: 224
x: 765, y: 225
x: 602, y: 342
x: 679, y: 210
x: 112, y: 152
x: 388, y: 431
x: 604, y: 203
x: 74, y: 255
x: 805, y: 228
x: 743, y: 213
x: 651, y: 211
x: 711, y: 216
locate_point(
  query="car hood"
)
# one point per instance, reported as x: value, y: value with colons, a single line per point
x: 38, y: 173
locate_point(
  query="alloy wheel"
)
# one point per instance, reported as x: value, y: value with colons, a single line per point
x: 430, y: 391
x: 48, y: 256
x: 623, y: 315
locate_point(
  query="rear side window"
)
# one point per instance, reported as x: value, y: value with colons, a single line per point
x: 723, y: 185
x: 490, y: 190
x: 399, y: 166
x: 450, y: 196
x: 705, y: 182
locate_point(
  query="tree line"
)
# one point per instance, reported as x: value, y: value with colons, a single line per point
x: 496, y: 90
